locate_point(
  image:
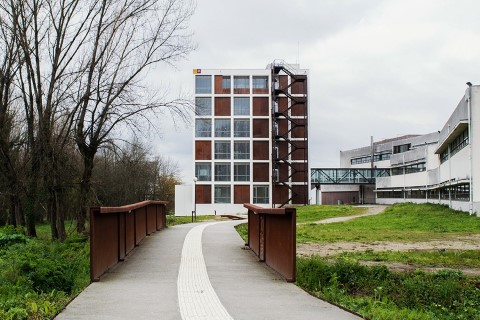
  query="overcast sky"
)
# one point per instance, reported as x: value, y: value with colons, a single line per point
x: 380, y: 68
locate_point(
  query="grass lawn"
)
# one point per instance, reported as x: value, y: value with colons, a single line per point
x: 315, y: 213
x: 404, y: 222
x: 173, y: 220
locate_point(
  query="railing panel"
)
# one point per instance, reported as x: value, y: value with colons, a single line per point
x: 272, y: 237
x: 115, y: 231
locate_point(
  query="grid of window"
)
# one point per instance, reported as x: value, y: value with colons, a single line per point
x: 241, y: 150
x: 241, y: 106
x: 260, y: 82
x: 203, y: 106
x: 222, y: 150
x: 203, y: 84
x: 376, y: 157
x: 444, y: 156
x: 222, y: 172
x: 241, y: 128
x: 203, y: 128
x: 413, y: 168
x: 222, y: 194
x: 241, y: 82
x: 203, y: 171
x: 401, y: 148
x: 241, y: 172
x: 222, y: 127
x: 260, y: 194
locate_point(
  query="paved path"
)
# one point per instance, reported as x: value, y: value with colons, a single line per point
x: 196, y: 271
x: 371, y: 210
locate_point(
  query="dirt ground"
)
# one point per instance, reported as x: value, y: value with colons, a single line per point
x: 461, y: 243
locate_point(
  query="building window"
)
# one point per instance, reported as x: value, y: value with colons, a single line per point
x: 459, y: 143
x: 401, y: 148
x: 226, y: 84
x: 203, y: 128
x: 241, y: 172
x: 222, y: 149
x: 241, y: 106
x: 260, y: 84
x: 260, y: 194
x: 241, y: 150
x: 241, y: 128
x: 203, y: 106
x: 222, y: 194
x: 222, y: 172
x: 222, y: 128
x: 241, y: 84
x: 203, y: 171
x: 444, y: 156
x: 203, y: 84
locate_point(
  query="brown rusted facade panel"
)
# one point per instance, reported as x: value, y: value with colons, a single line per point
x: 300, y: 194
x: 203, y: 150
x: 222, y: 106
x: 151, y: 219
x: 241, y: 194
x: 203, y: 193
x: 280, y: 193
x: 282, y: 105
x: 300, y: 173
x: 161, y: 217
x: 298, y: 87
x: 260, y: 106
x: 260, y: 128
x: 253, y: 231
x: 261, y: 172
x: 298, y: 110
x: 283, y: 82
x: 140, y: 225
x: 219, y: 89
x: 346, y: 197
x: 261, y: 150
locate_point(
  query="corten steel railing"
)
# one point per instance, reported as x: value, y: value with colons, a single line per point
x: 272, y: 237
x: 115, y: 231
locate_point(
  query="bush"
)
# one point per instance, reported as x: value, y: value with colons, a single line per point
x: 376, y: 290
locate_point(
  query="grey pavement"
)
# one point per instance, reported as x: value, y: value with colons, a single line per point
x: 165, y: 279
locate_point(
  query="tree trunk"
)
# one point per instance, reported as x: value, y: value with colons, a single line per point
x: 85, y: 187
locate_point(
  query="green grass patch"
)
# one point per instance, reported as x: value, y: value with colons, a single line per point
x: 377, y: 293
x: 242, y: 230
x: 314, y: 213
x: 421, y: 258
x: 39, y: 277
x: 404, y: 222
x: 173, y: 220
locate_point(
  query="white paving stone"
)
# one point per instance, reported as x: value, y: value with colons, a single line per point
x: 196, y: 297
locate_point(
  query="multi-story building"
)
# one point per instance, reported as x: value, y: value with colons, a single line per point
x: 440, y: 167
x: 250, y: 138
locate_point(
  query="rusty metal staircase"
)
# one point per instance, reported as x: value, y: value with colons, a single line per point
x: 290, y: 165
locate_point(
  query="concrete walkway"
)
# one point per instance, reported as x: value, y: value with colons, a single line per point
x: 196, y: 271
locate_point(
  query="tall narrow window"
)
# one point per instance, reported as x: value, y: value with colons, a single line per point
x: 241, y: 128
x: 241, y: 106
x: 203, y: 128
x: 203, y: 171
x: 222, y: 149
x: 241, y: 150
x: 241, y: 84
x: 222, y: 194
x: 260, y: 194
x: 203, y: 84
x: 222, y: 172
x: 241, y: 172
x: 226, y: 84
x: 203, y: 106
x: 222, y: 128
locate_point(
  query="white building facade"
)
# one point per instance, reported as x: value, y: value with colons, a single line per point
x: 441, y: 167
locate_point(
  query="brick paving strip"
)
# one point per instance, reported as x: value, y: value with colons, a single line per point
x: 196, y: 297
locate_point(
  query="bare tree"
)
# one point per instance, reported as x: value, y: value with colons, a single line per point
x: 128, y: 38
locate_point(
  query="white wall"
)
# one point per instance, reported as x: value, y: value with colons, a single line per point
x: 183, y: 200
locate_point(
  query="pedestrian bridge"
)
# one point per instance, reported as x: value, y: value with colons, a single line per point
x: 346, y: 175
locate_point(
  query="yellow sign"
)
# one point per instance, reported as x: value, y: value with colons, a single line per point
x: 196, y: 71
